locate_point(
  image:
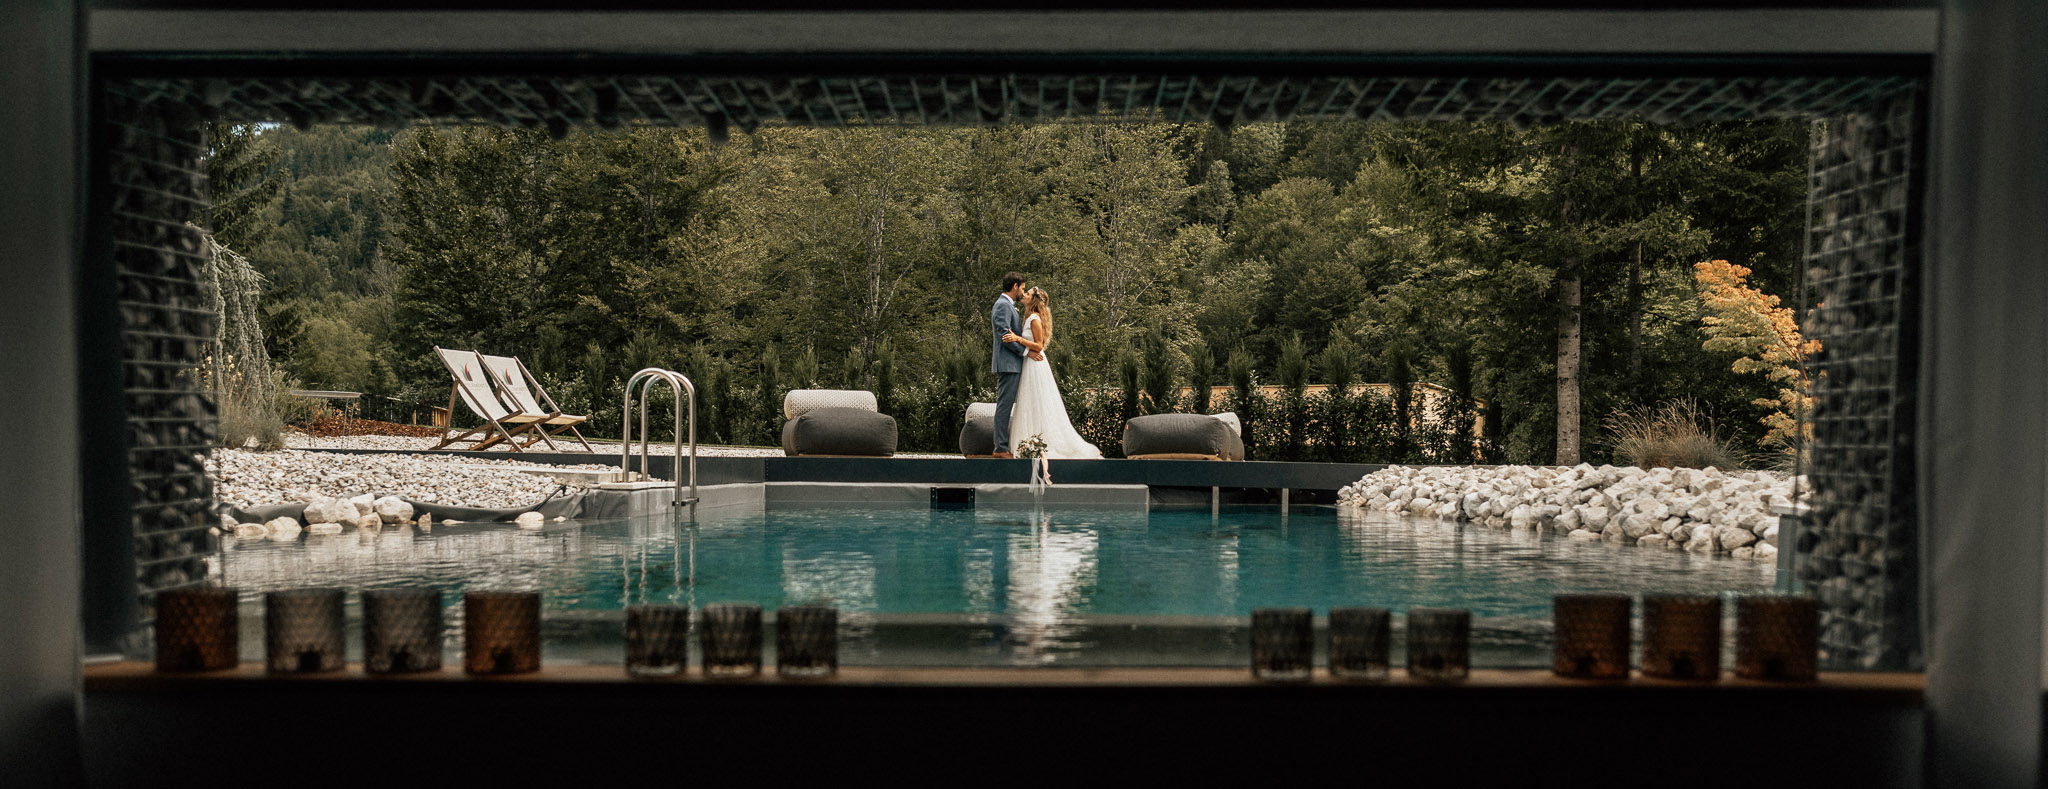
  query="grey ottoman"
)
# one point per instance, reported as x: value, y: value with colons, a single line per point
x: 978, y: 431
x: 1181, y: 437
x: 836, y: 422
x: 846, y: 432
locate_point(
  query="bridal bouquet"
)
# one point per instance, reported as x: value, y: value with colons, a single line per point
x: 1031, y: 447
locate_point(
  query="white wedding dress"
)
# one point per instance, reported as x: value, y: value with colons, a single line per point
x: 1040, y: 412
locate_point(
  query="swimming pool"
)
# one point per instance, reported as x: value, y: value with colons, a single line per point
x: 1004, y: 585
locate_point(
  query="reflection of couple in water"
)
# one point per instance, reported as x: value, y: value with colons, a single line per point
x: 1028, y: 403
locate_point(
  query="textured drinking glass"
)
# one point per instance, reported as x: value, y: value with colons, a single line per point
x: 501, y: 632
x: 807, y: 641
x: 302, y: 631
x: 657, y: 640
x: 731, y: 639
x: 1359, y: 638
x: 1682, y: 637
x: 1439, y: 643
x: 1777, y: 638
x: 1592, y: 636
x: 401, y: 630
x: 197, y: 629
x: 1283, y: 643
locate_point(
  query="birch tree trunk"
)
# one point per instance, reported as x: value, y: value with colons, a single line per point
x: 1568, y: 328
x: 1568, y: 320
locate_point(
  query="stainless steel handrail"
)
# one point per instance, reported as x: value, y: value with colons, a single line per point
x: 685, y: 391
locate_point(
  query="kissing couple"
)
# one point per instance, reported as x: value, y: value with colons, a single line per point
x: 1028, y: 402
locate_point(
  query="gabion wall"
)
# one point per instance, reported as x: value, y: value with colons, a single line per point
x: 1858, y: 550
x: 166, y: 306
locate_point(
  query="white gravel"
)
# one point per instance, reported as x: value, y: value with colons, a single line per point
x: 291, y: 476
x: 301, y: 473
x: 604, y: 449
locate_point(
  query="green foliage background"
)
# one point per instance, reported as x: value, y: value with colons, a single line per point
x: 795, y: 257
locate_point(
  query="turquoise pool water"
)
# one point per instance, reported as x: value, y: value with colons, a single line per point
x: 1040, y: 576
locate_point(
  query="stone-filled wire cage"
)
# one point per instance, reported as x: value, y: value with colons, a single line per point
x: 151, y: 131
x: 1858, y: 550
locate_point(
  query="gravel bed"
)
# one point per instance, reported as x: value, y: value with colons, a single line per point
x: 290, y: 476
x: 604, y: 449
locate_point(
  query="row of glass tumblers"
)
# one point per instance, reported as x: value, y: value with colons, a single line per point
x: 1776, y: 638
x: 198, y: 629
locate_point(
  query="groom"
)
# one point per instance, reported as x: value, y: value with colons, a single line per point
x: 1008, y: 358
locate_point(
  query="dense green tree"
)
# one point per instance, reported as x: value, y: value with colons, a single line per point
x: 1453, y: 248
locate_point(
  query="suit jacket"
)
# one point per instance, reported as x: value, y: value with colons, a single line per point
x: 1006, y: 357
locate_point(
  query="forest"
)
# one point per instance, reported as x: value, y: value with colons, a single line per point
x: 1480, y: 257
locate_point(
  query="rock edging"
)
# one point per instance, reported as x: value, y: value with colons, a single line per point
x: 1703, y: 511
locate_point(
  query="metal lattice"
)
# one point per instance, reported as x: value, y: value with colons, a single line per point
x: 1858, y: 551
x: 718, y: 102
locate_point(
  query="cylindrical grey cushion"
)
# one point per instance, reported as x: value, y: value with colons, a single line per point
x: 978, y: 434
x: 840, y: 431
x: 802, y: 401
x: 1181, y: 434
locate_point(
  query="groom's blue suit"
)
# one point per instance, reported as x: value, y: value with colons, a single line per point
x: 1006, y: 362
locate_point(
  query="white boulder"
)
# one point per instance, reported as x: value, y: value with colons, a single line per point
x: 1731, y: 537
x: 393, y: 509
x: 282, y: 529
x: 327, y: 510
x: 323, y: 529
x: 531, y: 520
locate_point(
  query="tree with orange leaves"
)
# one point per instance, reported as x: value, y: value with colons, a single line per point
x: 1750, y: 322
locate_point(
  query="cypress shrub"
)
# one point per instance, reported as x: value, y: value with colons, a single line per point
x: 885, y: 378
x: 1244, y: 399
x: 1402, y: 380
x: 1338, y: 364
x: 1201, y: 375
x: 768, y: 387
x: 803, y: 373
x: 1129, y: 370
x: 1293, y: 375
x: 1158, y: 375
x: 1457, y: 412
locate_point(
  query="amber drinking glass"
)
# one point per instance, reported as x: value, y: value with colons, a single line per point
x: 1682, y: 637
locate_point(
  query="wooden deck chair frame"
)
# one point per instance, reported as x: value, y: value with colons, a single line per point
x: 483, y: 402
x: 519, y: 386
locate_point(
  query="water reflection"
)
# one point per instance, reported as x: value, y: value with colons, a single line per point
x: 1046, y: 572
x: 1052, y: 571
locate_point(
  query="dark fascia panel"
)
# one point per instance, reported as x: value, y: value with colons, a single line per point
x: 1112, y: 32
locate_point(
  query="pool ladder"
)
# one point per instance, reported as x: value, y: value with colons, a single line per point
x: 685, y: 392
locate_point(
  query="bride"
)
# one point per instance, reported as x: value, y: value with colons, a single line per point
x: 1039, y: 411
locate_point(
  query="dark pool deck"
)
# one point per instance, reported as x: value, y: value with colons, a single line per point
x: 1252, y: 474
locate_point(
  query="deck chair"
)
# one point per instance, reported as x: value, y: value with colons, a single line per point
x: 517, y: 386
x: 474, y: 388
